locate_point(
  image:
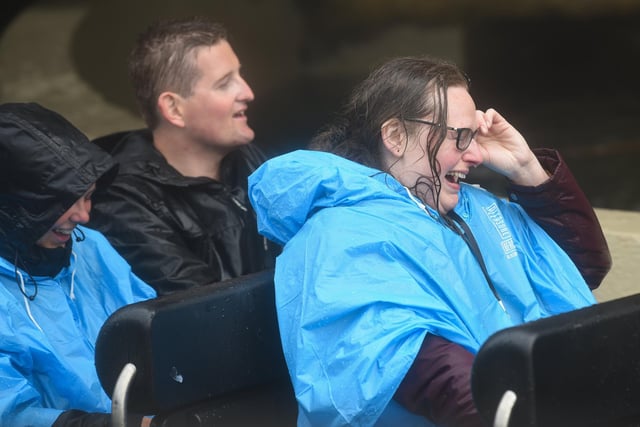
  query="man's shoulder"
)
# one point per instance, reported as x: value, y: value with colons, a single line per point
x: 123, y: 141
x: 140, y: 163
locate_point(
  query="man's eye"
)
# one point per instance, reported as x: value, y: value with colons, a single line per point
x: 223, y: 84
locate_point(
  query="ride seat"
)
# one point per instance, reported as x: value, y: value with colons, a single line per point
x: 206, y: 356
x: 580, y: 368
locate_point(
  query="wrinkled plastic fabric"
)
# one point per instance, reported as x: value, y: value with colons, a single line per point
x: 45, y: 372
x: 366, y: 272
x: 46, y: 165
x: 177, y: 231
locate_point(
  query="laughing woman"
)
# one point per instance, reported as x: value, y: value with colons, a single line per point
x: 59, y: 281
x: 394, y: 271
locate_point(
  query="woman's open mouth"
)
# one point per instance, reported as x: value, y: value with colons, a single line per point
x: 455, y: 177
x: 62, y: 234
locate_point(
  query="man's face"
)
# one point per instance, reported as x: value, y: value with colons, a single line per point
x: 214, y: 114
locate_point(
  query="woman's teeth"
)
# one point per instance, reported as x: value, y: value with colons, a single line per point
x: 455, y: 177
x: 63, y: 231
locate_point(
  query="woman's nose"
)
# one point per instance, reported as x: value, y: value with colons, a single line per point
x: 472, y: 154
x: 81, y: 211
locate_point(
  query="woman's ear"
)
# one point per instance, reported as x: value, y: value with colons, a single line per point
x: 393, y: 137
x: 170, y: 106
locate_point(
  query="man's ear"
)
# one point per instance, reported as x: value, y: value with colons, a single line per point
x: 170, y: 106
x: 393, y: 137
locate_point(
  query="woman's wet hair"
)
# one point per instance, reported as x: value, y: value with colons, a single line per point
x: 401, y: 88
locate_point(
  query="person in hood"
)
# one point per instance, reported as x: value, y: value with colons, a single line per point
x: 394, y: 271
x: 59, y: 281
x: 178, y: 210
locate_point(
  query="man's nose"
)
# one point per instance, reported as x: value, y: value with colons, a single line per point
x: 246, y: 94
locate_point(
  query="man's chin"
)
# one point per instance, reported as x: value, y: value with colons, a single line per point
x: 246, y: 137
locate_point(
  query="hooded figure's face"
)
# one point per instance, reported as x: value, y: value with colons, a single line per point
x: 46, y: 167
x: 60, y: 233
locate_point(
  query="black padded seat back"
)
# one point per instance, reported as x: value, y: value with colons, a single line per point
x: 195, y: 344
x: 580, y: 368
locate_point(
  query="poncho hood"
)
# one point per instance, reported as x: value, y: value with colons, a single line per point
x: 310, y: 182
x: 46, y: 165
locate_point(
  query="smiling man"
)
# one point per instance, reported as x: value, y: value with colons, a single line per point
x: 178, y: 211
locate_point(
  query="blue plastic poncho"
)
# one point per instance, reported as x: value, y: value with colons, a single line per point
x: 47, y: 345
x: 367, y: 271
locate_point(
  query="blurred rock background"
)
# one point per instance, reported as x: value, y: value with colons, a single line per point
x: 563, y: 71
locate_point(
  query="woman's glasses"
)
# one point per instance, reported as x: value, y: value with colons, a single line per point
x: 464, y: 136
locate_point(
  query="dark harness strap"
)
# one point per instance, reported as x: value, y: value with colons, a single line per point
x: 467, y: 236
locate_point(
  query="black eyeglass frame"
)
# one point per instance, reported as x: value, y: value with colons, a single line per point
x: 461, y: 144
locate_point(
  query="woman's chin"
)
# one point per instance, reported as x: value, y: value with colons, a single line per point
x: 447, y: 203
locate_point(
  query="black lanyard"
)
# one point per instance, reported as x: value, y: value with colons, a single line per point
x: 467, y: 236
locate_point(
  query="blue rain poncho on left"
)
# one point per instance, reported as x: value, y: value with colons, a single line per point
x: 52, y: 306
x: 47, y: 345
x: 367, y: 271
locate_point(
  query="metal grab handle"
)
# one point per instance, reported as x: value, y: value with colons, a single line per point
x: 119, y: 397
x: 503, y: 413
